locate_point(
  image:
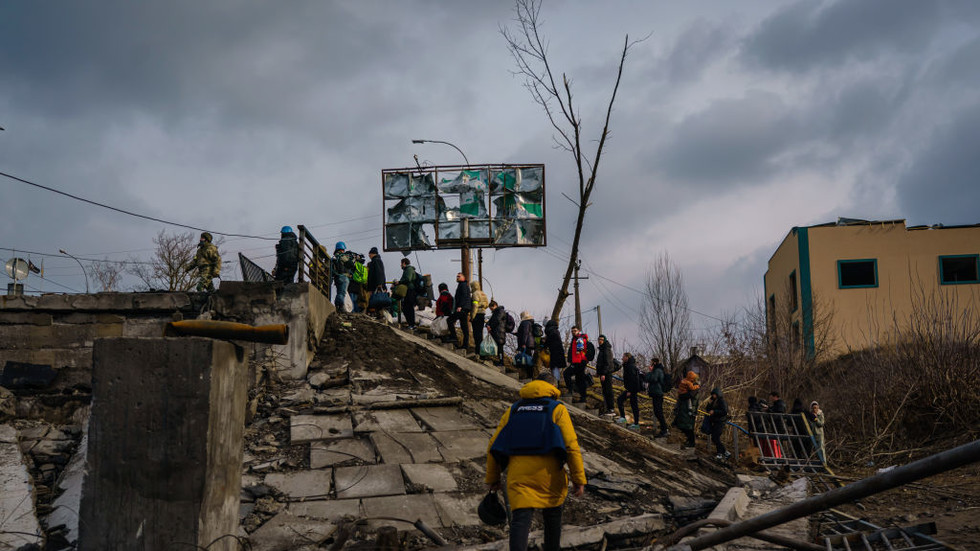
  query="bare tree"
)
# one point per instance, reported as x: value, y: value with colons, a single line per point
x: 530, y: 52
x: 665, y: 320
x: 108, y: 274
x: 168, y: 268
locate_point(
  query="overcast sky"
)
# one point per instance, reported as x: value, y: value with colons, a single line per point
x: 735, y: 121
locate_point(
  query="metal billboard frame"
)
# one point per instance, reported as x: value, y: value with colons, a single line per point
x: 492, y: 218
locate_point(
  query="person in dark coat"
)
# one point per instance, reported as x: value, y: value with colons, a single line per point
x: 525, y: 341
x: 409, y: 302
x: 376, y: 272
x: 776, y: 404
x: 717, y: 410
x: 800, y: 419
x: 686, y: 409
x: 287, y: 256
x: 604, y: 369
x: 462, y: 306
x: 497, y: 328
x: 657, y: 379
x: 556, y: 350
x: 632, y: 387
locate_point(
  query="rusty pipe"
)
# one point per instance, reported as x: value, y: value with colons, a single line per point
x: 269, y: 334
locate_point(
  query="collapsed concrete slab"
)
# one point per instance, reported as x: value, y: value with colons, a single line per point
x: 18, y: 520
x: 165, y: 444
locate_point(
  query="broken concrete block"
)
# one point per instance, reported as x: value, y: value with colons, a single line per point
x: 398, y: 420
x: 444, y: 418
x: 408, y: 507
x: 18, y: 520
x: 310, y: 428
x: 368, y: 481
x: 463, y: 444
x: 433, y: 477
x: 458, y: 509
x: 406, y: 447
x: 332, y: 510
x: 327, y: 454
x: 286, y: 532
x: 301, y: 484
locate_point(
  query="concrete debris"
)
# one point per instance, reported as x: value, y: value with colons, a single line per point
x: 18, y: 520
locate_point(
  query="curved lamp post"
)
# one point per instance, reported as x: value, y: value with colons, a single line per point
x: 62, y: 251
x: 445, y: 143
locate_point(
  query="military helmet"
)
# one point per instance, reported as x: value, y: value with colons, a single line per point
x: 491, y: 511
x: 286, y: 229
x: 207, y: 237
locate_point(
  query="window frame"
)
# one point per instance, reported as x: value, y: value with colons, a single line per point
x: 976, y: 262
x: 794, y: 291
x: 840, y: 281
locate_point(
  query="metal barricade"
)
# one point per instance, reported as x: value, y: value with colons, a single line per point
x: 252, y: 272
x: 314, y: 263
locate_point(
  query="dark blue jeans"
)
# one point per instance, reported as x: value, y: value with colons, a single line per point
x: 520, y: 527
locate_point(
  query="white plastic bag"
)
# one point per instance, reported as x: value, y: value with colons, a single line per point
x: 488, y: 348
x: 348, y: 304
x: 440, y: 326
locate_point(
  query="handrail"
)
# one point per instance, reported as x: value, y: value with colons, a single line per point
x: 314, y: 263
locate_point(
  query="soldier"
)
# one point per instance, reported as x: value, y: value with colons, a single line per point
x: 207, y: 261
x: 287, y: 256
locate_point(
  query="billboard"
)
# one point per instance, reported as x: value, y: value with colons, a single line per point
x: 447, y: 207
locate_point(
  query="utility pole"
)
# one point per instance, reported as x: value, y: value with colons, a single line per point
x: 479, y: 265
x: 598, y: 314
x: 578, y: 303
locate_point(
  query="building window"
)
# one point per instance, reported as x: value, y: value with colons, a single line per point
x: 792, y: 291
x: 852, y: 274
x: 958, y: 269
x: 797, y: 336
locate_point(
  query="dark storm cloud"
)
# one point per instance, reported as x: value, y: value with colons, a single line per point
x: 730, y: 142
x: 809, y: 34
x: 941, y: 184
x: 695, y: 49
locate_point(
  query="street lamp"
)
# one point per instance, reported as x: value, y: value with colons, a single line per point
x: 62, y: 251
x: 465, y: 251
x: 446, y: 143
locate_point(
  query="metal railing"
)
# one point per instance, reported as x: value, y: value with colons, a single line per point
x: 314, y: 265
x: 252, y: 272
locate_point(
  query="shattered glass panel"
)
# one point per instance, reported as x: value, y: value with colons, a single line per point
x: 405, y: 236
x: 415, y: 209
x: 519, y: 205
x: 403, y: 184
x: 464, y: 181
x: 473, y: 204
x: 518, y: 179
x: 519, y: 232
x: 479, y: 229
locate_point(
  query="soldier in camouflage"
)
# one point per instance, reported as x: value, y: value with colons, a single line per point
x: 207, y: 261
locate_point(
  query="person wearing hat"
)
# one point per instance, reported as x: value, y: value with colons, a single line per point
x: 410, y: 300
x: 287, y: 256
x: 207, y: 261
x: 376, y: 272
x: 534, y: 441
x: 817, y: 421
x: 341, y: 266
x: 604, y: 369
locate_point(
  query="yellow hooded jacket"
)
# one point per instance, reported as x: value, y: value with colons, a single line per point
x: 539, y: 481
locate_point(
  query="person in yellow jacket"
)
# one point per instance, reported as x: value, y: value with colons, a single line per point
x: 538, y: 481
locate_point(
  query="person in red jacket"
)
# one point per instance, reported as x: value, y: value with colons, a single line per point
x: 444, y: 304
x: 577, y: 359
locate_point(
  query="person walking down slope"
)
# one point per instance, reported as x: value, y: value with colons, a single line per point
x: 578, y: 359
x: 478, y: 317
x: 498, y: 329
x: 207, y: 261
x: 686, y: 409
x: 462, y: 304
x: 525, y: 342
x: 604, y: 369
x: 717, y: 410
x: 409, y: 301
x: 534, y: 441
x: 657, y: 383
x: 287, y: 256
x: 817, y: 421
x: 556, y: 350
x: 633, y: 386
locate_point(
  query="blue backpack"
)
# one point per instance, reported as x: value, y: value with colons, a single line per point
x: 530, y: 430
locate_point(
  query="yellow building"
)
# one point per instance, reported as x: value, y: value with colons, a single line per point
x: 852, y: 284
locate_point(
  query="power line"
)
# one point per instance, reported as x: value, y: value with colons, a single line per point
x: 130, y: 213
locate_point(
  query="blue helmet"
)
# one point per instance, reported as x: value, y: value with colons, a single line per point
x: 286, y: 229
x: 341, y: 246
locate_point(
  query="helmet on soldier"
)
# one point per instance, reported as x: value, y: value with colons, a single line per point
x: 207, y: 237
x: 286, y: 229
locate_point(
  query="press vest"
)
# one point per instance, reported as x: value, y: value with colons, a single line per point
x: 530, y: 430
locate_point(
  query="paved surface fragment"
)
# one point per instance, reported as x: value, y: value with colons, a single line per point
x: 327, y: 454
x: 409, y: 508
x: 301, y: 484
x: 458, y: 509
x: 406, y: 447
x: 286, y: 532
x: 444, y: 418
x: 332, y: 510
x: 309, y: 428
x: 463, y: 444
x: 369, y: 481
x: 396, y: 420
x: 436, y: 478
